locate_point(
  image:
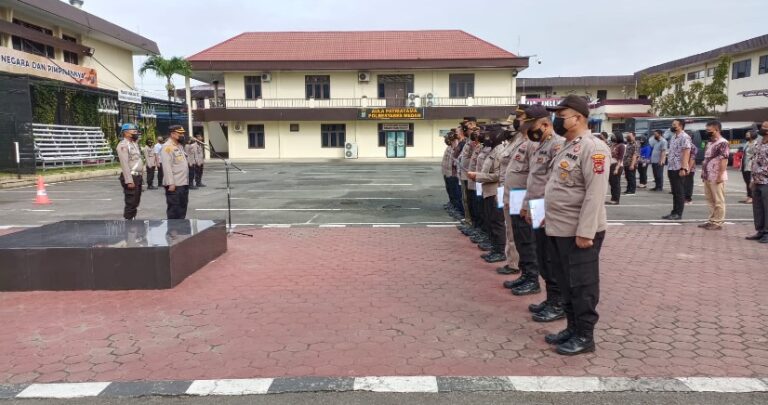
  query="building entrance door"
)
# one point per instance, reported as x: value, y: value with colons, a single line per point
x: 395, y: 144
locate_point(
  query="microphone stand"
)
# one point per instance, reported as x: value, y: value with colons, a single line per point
x: 227, y: 164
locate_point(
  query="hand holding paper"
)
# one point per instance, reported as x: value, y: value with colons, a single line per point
x: 516, y: 197
x: 537, y: 212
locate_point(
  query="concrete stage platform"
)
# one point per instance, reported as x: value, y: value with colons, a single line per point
x: 108, y: 255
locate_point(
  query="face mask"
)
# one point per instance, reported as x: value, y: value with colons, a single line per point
x: 711, y: 135
x: 558, y: 124
x: 763, y: 132
x: 536, y: 136
x: 487, y: 142
x: 516, y: 124
x: 674, y: 129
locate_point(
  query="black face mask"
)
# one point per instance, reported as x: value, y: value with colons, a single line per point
x: 535, y: 136
x: 763, y: 132
x: 487, y: 142
x: 674, y: 130
x: 516, y: 124
x: 711, y: 135
x: 558, y: 124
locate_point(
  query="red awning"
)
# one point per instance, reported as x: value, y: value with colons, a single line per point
x: 614, y: 116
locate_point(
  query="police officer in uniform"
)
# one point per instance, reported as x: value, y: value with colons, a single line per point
x: 158, y: 148
x: 547, y: 145
x: 200, y: 159
x: 489, y: 178
x: 150, y: 157
x: 189, y: 149
x: 464, y: 159
x: 132, y: 167
x: 576, y: 223
x: 478, y: 234
x: 176, y: 180
x: 513, y: 258
x: 485, y: 150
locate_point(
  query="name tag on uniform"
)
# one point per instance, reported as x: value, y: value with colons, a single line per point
x: 478, y: 189
x: 516, y: 197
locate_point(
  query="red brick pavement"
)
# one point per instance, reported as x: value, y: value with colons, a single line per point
x: 409, y: 301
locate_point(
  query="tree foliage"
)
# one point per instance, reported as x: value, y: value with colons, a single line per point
x: 167, y: 68
x: 670, y: 97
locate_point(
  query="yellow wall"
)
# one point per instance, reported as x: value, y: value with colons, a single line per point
x: 119, y: 61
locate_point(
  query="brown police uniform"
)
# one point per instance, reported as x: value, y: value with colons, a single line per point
x: 150, y: 158
x: 189, y: 149
x: 489, y: 177
x: 481, y: 156
x: 540, y: 168
x: 574, y: 202
x: 176, y: 168
x: 200, y: 163
x: 517, y: 178
x: 131, y: 169
x: 464, y: 159
x: 513, y: 258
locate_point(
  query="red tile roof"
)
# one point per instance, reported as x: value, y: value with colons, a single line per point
x: 352, y: 46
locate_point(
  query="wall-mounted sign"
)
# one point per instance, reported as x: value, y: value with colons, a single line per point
x: 13, y: 61
x: 753, y: 93
x: 395, y: 127
x: 400, y: 113
x: 546, y: 102
x: 129, y: 96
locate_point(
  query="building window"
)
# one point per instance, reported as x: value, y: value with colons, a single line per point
x: 696, y: 75
x: 763, y: 65
x: 318, y: 87
x: 461, y: 85
x: 333, y: 135
x: 710, y: 72
x: 36, y: 48
x: 256, y: 136
x: 742, y: 68
x: 252, y: 87
x: 602, y: 95
x: 533, y: 96
x: 70, y: 57
x: 383, y: 136
x: 294, y: 128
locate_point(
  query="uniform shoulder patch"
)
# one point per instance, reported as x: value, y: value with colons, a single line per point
x: 598, y: 163
x: 168, y: 149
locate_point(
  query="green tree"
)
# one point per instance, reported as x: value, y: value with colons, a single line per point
x: 167, y: 68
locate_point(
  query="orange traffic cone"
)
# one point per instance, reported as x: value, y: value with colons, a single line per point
x: 42, y: 196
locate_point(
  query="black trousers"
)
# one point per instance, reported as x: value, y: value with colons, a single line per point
x: 132, y: 196
x: 688, y: 186
x: 678, y: 191
x: 454, y: 191
x: 545, y: 267
x: 614, y: 180
x: 631, y: 177
x: 471, y: 205
x: 525, y: 243
x: 642, y: 169
x: 578, y: 275
x: 150, y: 176
x: 159, y: 175
x: 467, y: 196
x: 658, y: 175
x: 176, y: 202
x: 747, y: 179
x: 191, y: 175
x: 760, y: 207
x: 199, y: 175
x: 481, y: 223
x: 496, y: 228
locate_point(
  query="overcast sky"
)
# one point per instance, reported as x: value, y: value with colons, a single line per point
x: 571, y: 38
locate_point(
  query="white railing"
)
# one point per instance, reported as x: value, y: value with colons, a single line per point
x: 63, y: 145
x: 289, y: 103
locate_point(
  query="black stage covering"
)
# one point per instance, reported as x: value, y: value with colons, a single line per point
x: 108, y: 255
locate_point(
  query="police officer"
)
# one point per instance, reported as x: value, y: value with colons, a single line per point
x: 517, y: 178
x: 576, y: 222
x: 464, y: 159
x: 445, y: 168
x: 513, y: 258
x: 478, y: 233
x: 157, y: 149
x: 547, y: 145
x: 189, y: 149
x: 489, y: 178
x: 176, y: 167
x: 131, y: 166
x: 485, y: 150
x: 200, y: 159
x: 150, y: 157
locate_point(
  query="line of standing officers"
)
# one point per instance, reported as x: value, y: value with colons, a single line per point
x: 539, y: 154
x: 178, y: 163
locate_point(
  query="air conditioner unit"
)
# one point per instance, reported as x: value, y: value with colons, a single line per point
x: 350, y: 150
x: 364, y: 77
x: 238, y: 127
x: 266, y: 77
x: 430, y: 99
x: 414, y: 100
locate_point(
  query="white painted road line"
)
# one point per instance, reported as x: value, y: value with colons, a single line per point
x: 332, y: 226
x: 615, y: 224
x: 386, y: 226
x: 556, y: 384
x: 377, y: 185
x: 69, y: 390
x: 723, y: 384
x: 441, y: 226
x: 230, y: 387
x: 299, y: 209
x: 664, y: 223
x: 396, y: 384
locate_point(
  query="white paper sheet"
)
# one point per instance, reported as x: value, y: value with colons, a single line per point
x: 500, y: 197
x: 516, y: 196
x: 537, y: 212
x: 478, y: 189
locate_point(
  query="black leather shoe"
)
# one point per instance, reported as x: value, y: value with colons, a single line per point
x: 764, y: 239
x: 514, y: 283
x: 495, y: 257
x: 672, y: 217
x: 201, y: 185
x: 538, y: 307
x: 486, y: 246
x: 192, y: 188
x: 507, y: 270
x: 576, y: 345
x: 527, y: 288
x: 548, y: 314
x: 756, y: 236
x: 479, y: 239
x: 559, y: 337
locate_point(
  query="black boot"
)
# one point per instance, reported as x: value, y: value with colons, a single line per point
x: 507, y: 270
x: 527, y: 288
x: 551, y: 312
x: 485, y: 246
x: 538, y: 307
x: 495, y: 257
x: 514, y: 283
x: 559, y: 337
x: 576, y: 345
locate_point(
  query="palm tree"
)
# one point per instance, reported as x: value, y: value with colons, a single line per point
x: 167, y: 68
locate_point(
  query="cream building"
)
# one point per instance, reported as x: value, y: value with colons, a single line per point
x: 370, y: 94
